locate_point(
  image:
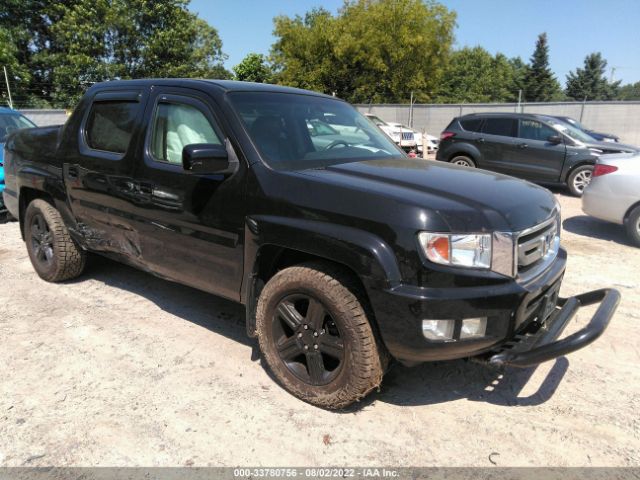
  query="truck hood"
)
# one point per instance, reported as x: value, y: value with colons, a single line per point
x: 433, y: 195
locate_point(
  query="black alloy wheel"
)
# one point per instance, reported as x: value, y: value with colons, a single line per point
x: 41, y: 240
x: 307, y: 339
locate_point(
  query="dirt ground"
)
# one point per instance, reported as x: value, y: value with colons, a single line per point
x: 122, y: 368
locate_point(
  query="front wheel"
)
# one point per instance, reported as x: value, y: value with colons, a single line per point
x: 55, y: 256
x: 633, y: 226
x: 463, y: 161
x: 579, y: 179
x: 315, y: 336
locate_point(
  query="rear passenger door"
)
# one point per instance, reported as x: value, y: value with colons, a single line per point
x: 99, y: 164
x: 534, y: 157
x: 497, y: 136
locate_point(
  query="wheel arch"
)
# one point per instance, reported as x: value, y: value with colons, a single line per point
x: 578, y: 164
x: 465, y: 150
x: 272, y: 244
x: 629, y: 210
x: 28, y: 195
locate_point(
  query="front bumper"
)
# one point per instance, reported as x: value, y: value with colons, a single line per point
x: 542, y: 346
x: 513, y: 309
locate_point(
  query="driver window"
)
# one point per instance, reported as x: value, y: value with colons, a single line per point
x: 534, y: 130
x: 176, y: 125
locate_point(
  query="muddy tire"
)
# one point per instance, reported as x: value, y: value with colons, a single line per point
x: 633, y: 226
x: 55, y: 256
x: 463, y: 161
x: 579, y: 179
x: 315, y: 336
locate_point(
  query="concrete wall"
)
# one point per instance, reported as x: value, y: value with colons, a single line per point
x: 43, y: 118
x: 620, y: 118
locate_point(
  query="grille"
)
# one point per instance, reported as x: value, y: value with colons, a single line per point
x: 407, y: 135
x: 537, y: 245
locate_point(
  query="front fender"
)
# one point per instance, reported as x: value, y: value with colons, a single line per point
x: 363, y: 252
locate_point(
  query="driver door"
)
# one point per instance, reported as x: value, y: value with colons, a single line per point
x: 192, y: 227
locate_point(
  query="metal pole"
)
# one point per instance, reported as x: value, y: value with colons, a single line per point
x: 411, y: 111
x: 6, y: 79
x: 584, y: 102
x: 519, y: 101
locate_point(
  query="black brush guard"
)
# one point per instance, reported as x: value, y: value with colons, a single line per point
x: 543, y: 345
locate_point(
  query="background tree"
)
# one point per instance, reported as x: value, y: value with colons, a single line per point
x: 474, y: 75
x: 630, y: 91
x: 540, y: 85
x: 69, y: 45
x: 17, y: 72
x: 591, y: 82
x: 372, y: 50
x: 253, y: 68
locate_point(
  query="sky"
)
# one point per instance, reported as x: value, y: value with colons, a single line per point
x: 575, y: 28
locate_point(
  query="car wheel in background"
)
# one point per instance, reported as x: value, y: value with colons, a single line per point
x: 315, y: 337
x: 463, y: 161
x: 579, y: 179
x: 55, y: 256
x: 633, y: 226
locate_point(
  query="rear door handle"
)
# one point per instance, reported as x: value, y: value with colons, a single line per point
x: 522, y: 145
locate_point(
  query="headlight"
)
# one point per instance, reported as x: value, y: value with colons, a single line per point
x: 471, y: 250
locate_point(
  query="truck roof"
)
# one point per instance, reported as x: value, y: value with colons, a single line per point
x: 224, y: 85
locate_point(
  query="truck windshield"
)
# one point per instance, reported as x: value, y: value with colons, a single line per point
x: 293, y: 131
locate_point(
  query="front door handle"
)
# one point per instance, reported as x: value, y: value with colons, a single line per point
x: 522, y: 145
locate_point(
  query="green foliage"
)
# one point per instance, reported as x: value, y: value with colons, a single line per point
x: 540, y: 85
x: 253, y: 68
x: 9, y: 59
x: 373, y: 50
x: 590, y: 82
x: 474, y: 75
x: 630, y: 91
x: 69, y: 45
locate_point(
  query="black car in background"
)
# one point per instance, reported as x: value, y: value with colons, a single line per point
x: 538, y: 148
x: 599, y: 136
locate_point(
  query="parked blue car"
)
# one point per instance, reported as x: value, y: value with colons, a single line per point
x: 10, y: 120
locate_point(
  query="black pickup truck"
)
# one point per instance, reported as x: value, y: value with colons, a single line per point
x: 346, y: 254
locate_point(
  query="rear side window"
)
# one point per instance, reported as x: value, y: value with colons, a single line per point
x: 471, y: 124
x: 110, y: 125
x: 534, y: 130
x: 505, y: 127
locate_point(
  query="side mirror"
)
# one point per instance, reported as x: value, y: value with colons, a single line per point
x: 205, y: 158
x: 555, y: 139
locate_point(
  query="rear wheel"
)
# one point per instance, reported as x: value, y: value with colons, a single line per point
x: 315, y: 336
x: 463, y: 161
x: 579, y: 179
x: 55, y: 256
x: 633, y: 226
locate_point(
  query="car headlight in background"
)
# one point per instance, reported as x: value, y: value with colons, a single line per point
x: 468, y: 250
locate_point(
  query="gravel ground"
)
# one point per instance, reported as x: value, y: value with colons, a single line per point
x: 122, y: 368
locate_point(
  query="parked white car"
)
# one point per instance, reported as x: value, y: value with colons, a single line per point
x: 431, y: 142
x: 400, y: 134
x: 613, y: 194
